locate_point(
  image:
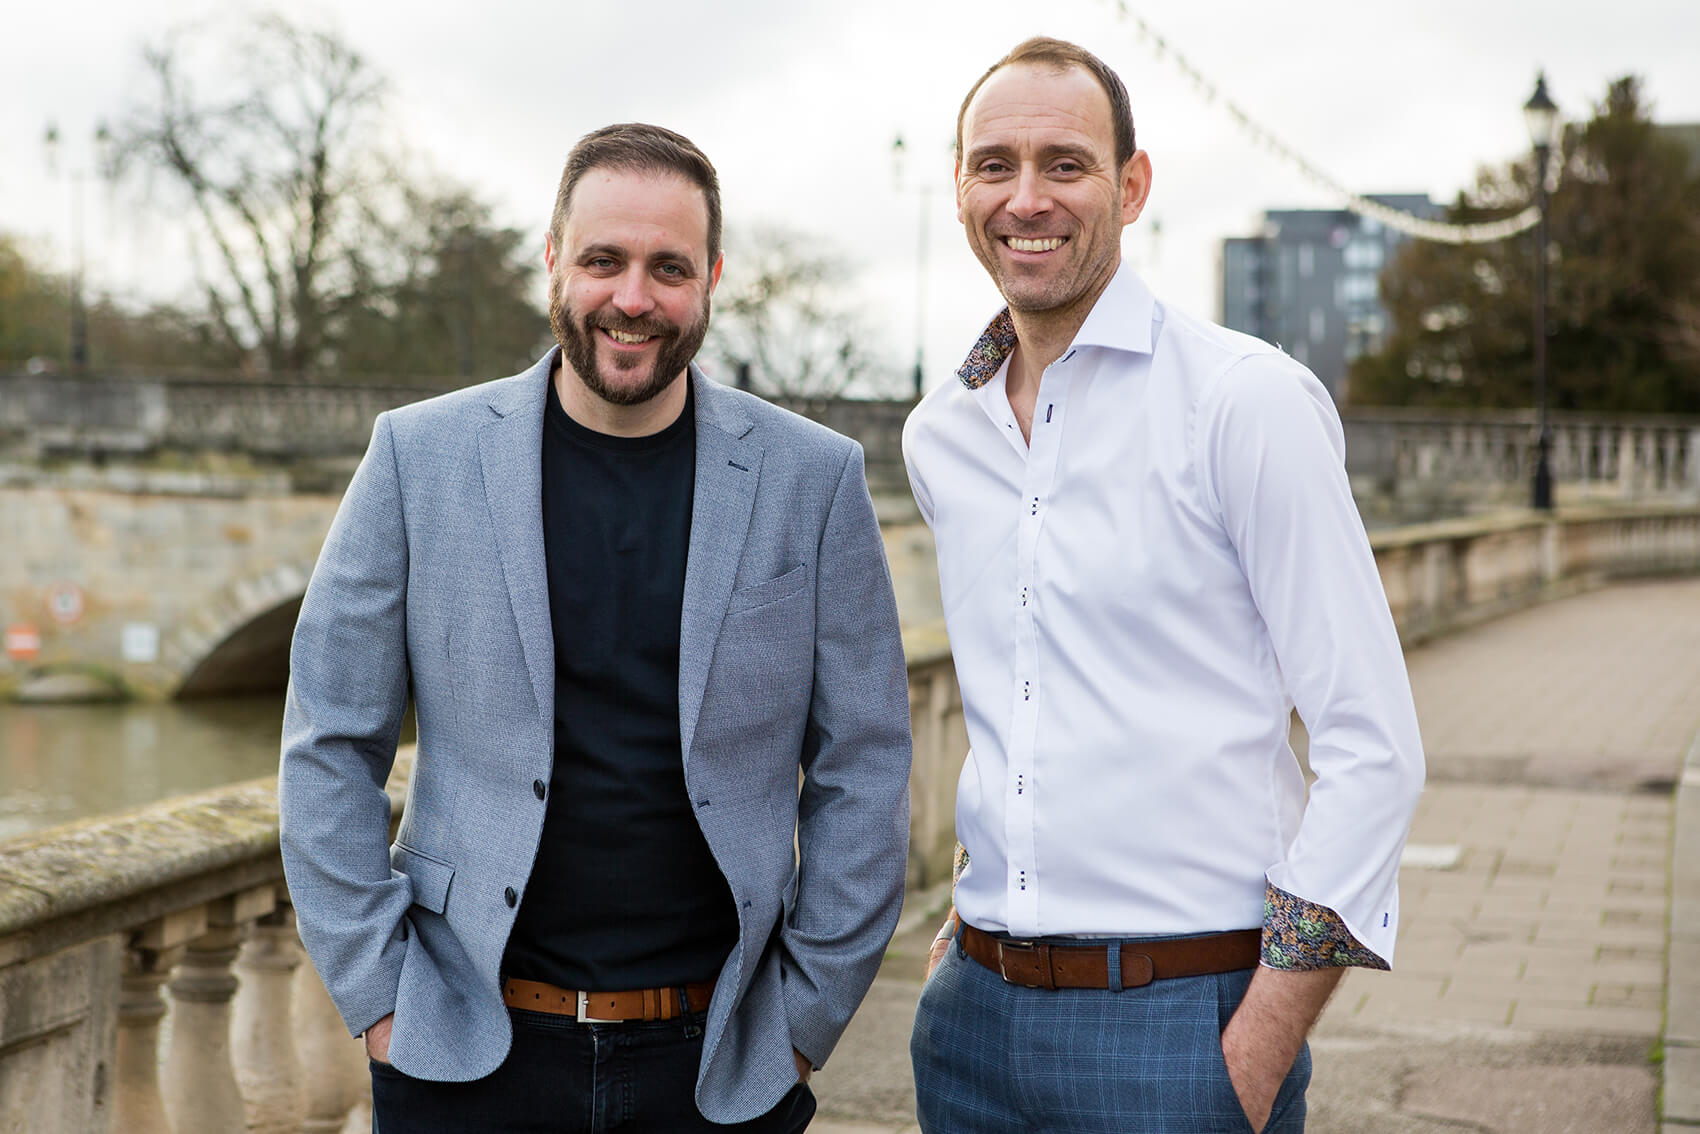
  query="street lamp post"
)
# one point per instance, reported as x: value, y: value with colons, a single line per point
x: 79, y: 311
x: 1540, y: 114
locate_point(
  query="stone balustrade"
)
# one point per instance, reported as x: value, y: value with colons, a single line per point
x: 186, y: 899
x: 151, y: 980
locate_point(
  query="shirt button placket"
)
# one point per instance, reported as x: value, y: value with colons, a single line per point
x: 1020, y: 814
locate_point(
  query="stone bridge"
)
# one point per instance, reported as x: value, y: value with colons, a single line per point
x: 158, y: 533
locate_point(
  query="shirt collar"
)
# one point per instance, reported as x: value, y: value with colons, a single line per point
x: 1120, y: 320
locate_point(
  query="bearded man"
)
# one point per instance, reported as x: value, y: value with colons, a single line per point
x: 630, y: 605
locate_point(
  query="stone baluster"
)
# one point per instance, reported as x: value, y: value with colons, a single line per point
x: 333, y: 1064
x: 138, y: 1107
x: 201, y: 1095
x: 263, y: 1031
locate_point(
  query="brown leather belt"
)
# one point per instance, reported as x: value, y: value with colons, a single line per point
x: 1041, y: 964
x: 606, y: 1007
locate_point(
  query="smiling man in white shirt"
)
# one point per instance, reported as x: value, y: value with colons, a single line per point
x: 1149, y: 556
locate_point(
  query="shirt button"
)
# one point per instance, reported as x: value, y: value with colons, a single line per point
x: 512, y: 898
x: 537, y: 788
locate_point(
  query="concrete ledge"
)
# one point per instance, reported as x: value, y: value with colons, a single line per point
x: 110, y: 874
x: 1681, y: 1094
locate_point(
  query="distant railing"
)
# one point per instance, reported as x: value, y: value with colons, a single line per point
x: 1404, y: 463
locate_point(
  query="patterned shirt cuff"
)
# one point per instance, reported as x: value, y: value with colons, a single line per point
x: 1300, y: 935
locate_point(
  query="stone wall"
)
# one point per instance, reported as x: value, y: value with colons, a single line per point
x: 138, y: 589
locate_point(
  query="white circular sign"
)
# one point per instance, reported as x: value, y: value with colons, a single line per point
x: 64, y: 602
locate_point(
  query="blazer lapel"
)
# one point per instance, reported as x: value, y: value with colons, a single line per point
x: 510, y: 452
x: 728, y: 467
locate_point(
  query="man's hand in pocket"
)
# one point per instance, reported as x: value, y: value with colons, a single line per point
x: 378, y: 1040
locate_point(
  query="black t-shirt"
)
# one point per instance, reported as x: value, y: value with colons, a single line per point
x: 625, y: 892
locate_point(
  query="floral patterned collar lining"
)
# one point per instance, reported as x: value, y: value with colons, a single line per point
x: 995, y: 345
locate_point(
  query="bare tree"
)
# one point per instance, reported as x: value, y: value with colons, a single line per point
x: 275, y: 164
x: 784, y: 311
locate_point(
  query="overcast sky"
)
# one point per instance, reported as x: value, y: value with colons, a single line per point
x: 797, y: 104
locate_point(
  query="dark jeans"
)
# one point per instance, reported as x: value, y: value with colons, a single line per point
x: 562, y: 1076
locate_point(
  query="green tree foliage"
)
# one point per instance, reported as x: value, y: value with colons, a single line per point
x: 1624, y: 284
x: 454, y: 297
x: 35, y: 322
x: 34, y: 308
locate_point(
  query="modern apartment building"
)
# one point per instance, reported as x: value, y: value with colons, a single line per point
x: 1308, y: 283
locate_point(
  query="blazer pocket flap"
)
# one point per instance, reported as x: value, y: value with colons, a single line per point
x: 745, y: 598
x: 428, y: 876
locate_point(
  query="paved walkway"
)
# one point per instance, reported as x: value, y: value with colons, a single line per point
x: 1530, y: 996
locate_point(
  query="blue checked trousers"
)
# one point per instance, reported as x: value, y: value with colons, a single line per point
x: 996, y: 1058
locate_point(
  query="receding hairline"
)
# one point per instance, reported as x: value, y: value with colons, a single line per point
x: 1060, y: 55
x: 1050, y: 66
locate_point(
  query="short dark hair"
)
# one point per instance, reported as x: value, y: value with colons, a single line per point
x: 641, y: 148
x: 1062, y: 55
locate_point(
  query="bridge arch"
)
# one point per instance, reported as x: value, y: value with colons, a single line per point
x: 238, y: 642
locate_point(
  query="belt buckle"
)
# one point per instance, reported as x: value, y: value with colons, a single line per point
x: 584, y: 1016
x: 1042, y: 952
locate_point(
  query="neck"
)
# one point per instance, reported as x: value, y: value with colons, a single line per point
x: 1043, y: 336
x: 639, y: 420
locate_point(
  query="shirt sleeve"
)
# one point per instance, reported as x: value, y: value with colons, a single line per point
x: 1271, y: 456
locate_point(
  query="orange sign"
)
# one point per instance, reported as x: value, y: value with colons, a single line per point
x: 23, y: 642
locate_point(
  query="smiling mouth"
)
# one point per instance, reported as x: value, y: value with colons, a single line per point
x: 626, y: 338
x: 1034, y: 244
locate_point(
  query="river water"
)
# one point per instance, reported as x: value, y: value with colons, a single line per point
x: 64, y: 762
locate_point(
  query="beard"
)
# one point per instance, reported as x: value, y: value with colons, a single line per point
x: 576, y: 333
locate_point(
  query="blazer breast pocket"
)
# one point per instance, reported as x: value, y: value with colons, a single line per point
x: 429, y: 877
x: 786, y: 585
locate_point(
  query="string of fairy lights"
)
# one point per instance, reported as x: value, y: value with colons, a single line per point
x: 1422, y: 228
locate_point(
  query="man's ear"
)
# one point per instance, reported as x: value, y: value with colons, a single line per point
x: 956, y: 180
x: 549, y: 252
x: 714, y: 273
x: 1136, y: 185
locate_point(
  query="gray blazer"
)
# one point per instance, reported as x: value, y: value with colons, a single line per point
x: 432, y: 582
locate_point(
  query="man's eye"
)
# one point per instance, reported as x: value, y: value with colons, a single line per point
x: 1068, y: 168
x: 600, y: 263
x: 672, y: 271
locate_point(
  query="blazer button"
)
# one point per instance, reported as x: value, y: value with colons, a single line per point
x: 537, y: 788
x: 512, y: 898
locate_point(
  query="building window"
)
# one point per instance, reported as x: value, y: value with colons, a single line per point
x: 1307, y: 261
x: 1318, y: 324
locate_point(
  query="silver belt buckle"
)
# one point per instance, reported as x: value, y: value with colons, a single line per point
x: 584, y: 1016
x: 1010, y: 947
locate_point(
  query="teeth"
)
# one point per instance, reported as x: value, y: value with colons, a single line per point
x: 1049, y: 244
x: 628, y: 339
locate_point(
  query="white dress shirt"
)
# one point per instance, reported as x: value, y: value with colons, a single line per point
x: 1136, y: 601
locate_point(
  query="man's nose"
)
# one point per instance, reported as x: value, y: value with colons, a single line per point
x: 632, y: 296
x: 1031, y: 195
